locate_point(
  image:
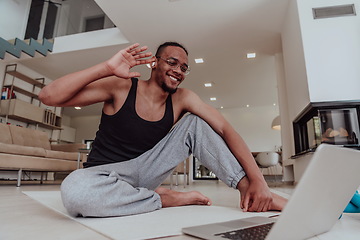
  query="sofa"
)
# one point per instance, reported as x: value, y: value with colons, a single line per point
x: 25, y: 149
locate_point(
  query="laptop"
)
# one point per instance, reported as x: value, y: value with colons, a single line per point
x: 318, y: 201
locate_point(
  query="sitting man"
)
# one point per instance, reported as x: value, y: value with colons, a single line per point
x: 143, y: 135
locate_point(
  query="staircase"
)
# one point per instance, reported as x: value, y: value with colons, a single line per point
x: 30, y: 47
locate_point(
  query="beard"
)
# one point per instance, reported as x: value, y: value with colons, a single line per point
x: 167, y: 89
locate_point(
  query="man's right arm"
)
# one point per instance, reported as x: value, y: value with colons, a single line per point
x: 79, y: 88
x: 96, y: 83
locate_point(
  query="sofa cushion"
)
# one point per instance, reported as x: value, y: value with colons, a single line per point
x: 5, y: 136
x: 10, y: 161
x: 29, y: 137
x: 21, y: 150
x: 72, y: 147
x: 61, y: 155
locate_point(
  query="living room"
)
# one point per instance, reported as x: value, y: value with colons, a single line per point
x: 251, y: 114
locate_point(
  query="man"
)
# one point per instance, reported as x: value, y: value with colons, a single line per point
x: 134, y: 149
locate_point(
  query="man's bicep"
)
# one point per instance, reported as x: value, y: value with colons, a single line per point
x: 208, y: 113
x: 91, y: 94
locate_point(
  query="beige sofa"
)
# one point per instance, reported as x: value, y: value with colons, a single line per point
x: 25, y: 149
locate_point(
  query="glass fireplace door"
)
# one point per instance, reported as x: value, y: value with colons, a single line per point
x: 339, y: 126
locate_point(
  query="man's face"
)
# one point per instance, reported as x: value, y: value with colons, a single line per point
x: 171, y: 64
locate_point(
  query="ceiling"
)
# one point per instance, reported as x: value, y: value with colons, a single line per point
x: 219, y: 31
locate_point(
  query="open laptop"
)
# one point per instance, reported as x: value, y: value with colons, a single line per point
x: 318, y: 201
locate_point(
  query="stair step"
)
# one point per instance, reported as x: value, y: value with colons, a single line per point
x: 29, y: 46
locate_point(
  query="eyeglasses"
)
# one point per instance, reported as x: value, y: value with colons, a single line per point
x: 174, y: 64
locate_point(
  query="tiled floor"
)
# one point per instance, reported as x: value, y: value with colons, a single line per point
x: 23, y: 218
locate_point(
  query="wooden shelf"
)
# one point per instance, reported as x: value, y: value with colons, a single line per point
x: 26, y: 78
x: 20, y: 110
x: 24, y: 111
x: 48, y: 126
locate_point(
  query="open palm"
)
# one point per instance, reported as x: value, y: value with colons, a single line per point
x: 121, y: 63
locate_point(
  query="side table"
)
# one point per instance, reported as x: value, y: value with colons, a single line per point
x: 80, y: 151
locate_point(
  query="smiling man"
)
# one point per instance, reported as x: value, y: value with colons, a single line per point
x: 143, y: 135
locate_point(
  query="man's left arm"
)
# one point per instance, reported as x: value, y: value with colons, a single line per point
x: 257, y: 195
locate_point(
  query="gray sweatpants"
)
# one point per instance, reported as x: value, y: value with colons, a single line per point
x: 127, y: 188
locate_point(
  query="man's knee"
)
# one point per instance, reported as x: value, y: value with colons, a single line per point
x: 198, y: 121
x: 191, y: 116
x: 72, y: 203
x: 78, y: 195
x: 103, y: 194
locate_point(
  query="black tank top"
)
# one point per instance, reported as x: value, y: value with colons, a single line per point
x: 125, y: 135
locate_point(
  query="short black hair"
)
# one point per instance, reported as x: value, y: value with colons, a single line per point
x: 167, y: 44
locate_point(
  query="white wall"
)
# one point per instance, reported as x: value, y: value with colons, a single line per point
x: 86, y: 127
x: 254, y: 126
x: 332, y: 52
x: 67, y: 134
x: 286, y: 126
x: 294, y: 62
x: 66, y: 120
x: 90, y: 10
x: 13, y: 18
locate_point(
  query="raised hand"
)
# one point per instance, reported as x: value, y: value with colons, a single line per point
x: 121, y: 63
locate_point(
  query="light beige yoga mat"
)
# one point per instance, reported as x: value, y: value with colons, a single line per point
x: 161, y: 223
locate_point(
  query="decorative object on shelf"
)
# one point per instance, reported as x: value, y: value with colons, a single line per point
x: 7, y: 93
x: 49, y: 117
x: 88, y: 143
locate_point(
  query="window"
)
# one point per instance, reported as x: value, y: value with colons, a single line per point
x: 95, y: 23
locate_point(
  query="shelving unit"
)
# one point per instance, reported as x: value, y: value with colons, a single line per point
x: 29, y: 112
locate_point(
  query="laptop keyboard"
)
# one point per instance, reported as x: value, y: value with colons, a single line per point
x: 252, y: 233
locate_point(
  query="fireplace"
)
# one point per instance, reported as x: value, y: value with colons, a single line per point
x: 327, y: 122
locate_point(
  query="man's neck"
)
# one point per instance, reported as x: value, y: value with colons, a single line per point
x: 152, y: 91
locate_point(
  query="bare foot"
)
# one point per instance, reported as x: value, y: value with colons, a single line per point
x: 170, y: 198
x: 278, y: 202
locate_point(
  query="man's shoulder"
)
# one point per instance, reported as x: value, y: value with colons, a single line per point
x: 185, y: 94
x: 185, y: 98
x: 181, y: 92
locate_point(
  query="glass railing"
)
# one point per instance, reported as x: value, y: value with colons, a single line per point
x: 50, y: 19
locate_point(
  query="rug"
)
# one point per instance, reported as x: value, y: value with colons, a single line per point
x: 161, y: 223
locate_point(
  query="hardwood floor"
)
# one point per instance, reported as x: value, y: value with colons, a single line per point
x: 24, y: 218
